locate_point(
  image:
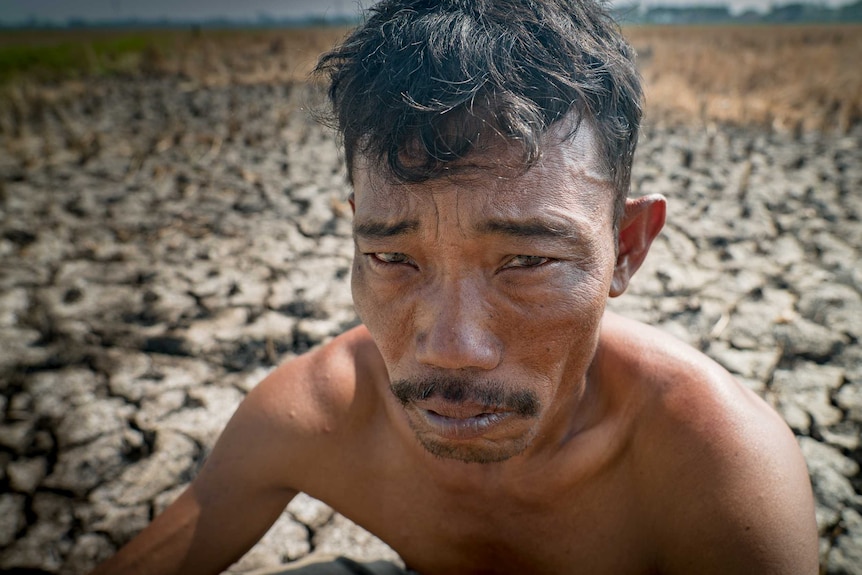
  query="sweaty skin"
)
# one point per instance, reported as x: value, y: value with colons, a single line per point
x: 529, y: 430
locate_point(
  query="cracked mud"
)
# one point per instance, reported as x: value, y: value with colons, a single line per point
x: 163, y: 247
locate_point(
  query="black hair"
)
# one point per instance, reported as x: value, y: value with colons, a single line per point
x: 414, y: 86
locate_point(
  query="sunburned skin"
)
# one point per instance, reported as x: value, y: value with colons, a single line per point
x: 497, y: 281
x: 489, y: 416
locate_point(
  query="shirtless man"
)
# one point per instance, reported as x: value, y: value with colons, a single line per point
x: 489, y: 416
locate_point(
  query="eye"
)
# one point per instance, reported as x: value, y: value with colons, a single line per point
x: 391, y: 257
x: 526, y: 262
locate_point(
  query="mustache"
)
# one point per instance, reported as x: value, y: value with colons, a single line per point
x: 490, y: 393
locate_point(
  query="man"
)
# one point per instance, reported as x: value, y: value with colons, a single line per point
x: 489, y: 416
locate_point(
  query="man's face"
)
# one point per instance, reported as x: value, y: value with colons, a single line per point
x: 484, y: 294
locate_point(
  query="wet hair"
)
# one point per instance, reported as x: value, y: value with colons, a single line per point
x: 420, y: 83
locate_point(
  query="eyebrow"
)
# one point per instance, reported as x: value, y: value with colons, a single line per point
x: 382, y: 230
x: 530, y: 228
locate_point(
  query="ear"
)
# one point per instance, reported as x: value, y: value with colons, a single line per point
x: 352, y: 201
x: 642, y: 221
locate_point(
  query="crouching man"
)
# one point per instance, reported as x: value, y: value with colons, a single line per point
x: 489, y: 416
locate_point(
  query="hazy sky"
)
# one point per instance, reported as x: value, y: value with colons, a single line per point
x: 61, y: 10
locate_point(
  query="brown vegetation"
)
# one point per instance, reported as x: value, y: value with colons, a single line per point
x: 788, y: 78
x: 797, y: 78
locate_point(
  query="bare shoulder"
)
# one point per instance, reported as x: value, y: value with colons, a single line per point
x: 314, y: 390
x: 728, y: 488
x: 310, y: 407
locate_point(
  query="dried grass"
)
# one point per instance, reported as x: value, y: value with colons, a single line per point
x: 788, y: 78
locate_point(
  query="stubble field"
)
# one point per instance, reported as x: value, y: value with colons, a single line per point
x: 173, y: 224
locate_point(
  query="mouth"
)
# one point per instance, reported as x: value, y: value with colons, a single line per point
x: 461, y: 421
x: 468, y: 419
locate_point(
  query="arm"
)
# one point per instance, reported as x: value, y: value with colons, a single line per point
x: 243, y: 486
x: 190, y: 537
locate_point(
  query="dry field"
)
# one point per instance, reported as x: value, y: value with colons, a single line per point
x: 173, y: 224
x: 789, y: 78
x: 794, y: 78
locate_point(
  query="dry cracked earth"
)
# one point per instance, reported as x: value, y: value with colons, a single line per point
x: 163, y: 246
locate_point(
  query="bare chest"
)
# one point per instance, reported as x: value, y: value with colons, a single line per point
x: 595, y: 530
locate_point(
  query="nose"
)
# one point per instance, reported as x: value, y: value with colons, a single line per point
x: 454, y: 329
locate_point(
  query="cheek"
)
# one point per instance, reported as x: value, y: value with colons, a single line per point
x: 365, y: 299
x: 574, y: 288
x: 357, y: 280
x: 381, y: 311
x: 557, y: 322
x: 562, y: 320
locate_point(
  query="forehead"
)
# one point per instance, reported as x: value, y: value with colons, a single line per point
x: 569, y: 178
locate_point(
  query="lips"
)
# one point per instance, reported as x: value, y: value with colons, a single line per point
x: 461, y: 420
x: 459, y: 410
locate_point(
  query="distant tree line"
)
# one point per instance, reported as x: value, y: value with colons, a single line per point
x: 796, y: 12
x: 262, y: 21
